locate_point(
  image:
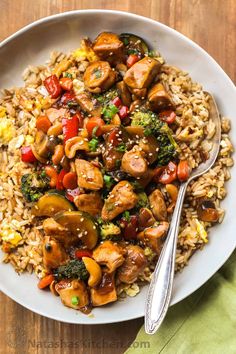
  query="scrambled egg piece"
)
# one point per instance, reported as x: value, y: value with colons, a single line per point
x: 201, y: 231
x: 85, y: 52
x: 9, y: 234
x: 7, y: 130
x: 2, y: 111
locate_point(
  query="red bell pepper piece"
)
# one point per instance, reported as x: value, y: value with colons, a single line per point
x: 167, y: 116
x: 52, y: 85
x: 27, y: 154
x: 117, y: 102
x: 169, y: 174
x: 66, y: 83
x: 59, y: 184
x: 70, y: 126
x: 123, y: 112
x: 132, y: 59
x: 83, y: 253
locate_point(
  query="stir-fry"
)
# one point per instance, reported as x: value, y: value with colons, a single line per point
x: 105, y: 170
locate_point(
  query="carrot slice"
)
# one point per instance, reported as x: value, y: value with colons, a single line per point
x: 43, y: 123
x: 70, y: 180
x: 46, y: 281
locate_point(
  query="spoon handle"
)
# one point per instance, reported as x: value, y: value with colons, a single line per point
x: 159, y: 293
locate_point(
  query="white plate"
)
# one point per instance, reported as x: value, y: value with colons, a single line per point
x: 32, y: 45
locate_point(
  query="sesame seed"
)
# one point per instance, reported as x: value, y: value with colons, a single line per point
x: 82, y: 219
x: 136, y: 156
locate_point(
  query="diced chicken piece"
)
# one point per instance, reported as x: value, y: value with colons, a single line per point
x: 158, y: 205
x: 134, y: 163
x: 159, y: 99
x: 89, y: 176
x: 146, y: 179
x: 87, y: 104
x: 124, y: 93
x: 59, y: 232
x: 141, y: 75
x: 109, y: 47
x: 149, y: 147
x: 91, y: 203
x: 73, y: 293
x: 53, y: 253
x: 99, y: 77
x: 153, y: 236
x: 121, y: 198
x: 109, y: 254
x: 134, y: 264
x: 105, y: 292
x: 54, y: 114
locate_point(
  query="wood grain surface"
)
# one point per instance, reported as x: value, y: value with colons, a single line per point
x: 210, y: 23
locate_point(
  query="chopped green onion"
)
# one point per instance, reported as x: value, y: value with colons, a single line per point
x: 69, y: 75
x: 109, y: 111
x: 121, y: 147
x: 126, y: 215
x: 75, y: 300
x: 97, y: 73
x: 93, y: 144
x: 109, y: 181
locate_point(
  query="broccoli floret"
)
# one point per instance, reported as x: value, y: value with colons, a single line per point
x: 154, y: 126
x: 109, y: 231
x: 74, y: 269
x: 33, y: 185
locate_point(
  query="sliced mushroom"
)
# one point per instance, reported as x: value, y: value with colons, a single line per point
x: 124, y: 93
x: 159, y: 99
x: 121, y: 198
x: 109, y: 254
x: 53, y: 253
x: 134, y: 163
x: 158, y: 205
x: 91, y: 203
x: 142, y: 73
x: 105, y: 292
x: 134, y: 264
x: 73, y: 293
x: 41, y: 144
x: 89, y: 176
x: 99, y: 77
x: 109, y: 47
x: 153, y: 236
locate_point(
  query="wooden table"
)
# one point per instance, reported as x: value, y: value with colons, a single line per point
x: 210, y: 23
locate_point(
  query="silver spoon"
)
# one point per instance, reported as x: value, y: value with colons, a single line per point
x: 160, y: 289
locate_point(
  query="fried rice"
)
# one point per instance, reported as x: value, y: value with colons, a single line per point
x: 21, y: 234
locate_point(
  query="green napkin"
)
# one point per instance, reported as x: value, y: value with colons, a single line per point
x: 203, y: 323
